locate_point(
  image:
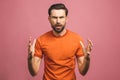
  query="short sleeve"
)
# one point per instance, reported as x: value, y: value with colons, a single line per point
x: 38, y: 50
x: 79, y: 51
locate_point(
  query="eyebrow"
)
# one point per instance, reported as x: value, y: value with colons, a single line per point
x: 57, y: 17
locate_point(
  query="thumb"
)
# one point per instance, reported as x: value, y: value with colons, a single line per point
x: 33, y: 46
x: 34, y: 42
x: 83, y: 47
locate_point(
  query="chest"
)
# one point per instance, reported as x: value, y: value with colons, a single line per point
x: 59, y: 48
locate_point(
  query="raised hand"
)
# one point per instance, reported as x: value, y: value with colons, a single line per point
x: 84, y: 61
x: 88, y: 48
x: 31, y: 47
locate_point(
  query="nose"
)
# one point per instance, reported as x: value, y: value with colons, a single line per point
x: 58, y: 20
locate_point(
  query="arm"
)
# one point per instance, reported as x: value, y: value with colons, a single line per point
x: 33, y: 61
x: 83, y: 64
x: 84, y: 61
x: 33, y: 65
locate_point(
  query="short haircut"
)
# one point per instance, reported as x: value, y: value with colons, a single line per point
x: 57, y: 7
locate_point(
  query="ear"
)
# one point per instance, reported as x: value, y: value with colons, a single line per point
x: 49, y: 19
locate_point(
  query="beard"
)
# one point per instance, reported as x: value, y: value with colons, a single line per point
x: 58, y: 28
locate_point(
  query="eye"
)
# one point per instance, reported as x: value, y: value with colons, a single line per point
x: 54, y: 17
x: 61, y: 17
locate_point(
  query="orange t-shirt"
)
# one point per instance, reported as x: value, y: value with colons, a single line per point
x: 59, y: 54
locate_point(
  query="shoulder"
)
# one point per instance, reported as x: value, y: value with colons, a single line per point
x: 75, y: 35
x: 45, y: 35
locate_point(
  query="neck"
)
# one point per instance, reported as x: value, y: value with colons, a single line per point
x: 59, y: 34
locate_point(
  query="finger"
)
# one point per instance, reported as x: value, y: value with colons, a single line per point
x: 30, y: 41
x: 90, y: 42
x: 82, y: 44
x: 30, y: 45
x: 33, y: 47
x: 89, y: 46
x: 83, y: 47
x: 34, y: 42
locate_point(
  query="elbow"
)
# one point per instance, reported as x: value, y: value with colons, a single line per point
x: 83, y: 73
x: 33, y: 73
x: 83, y: 70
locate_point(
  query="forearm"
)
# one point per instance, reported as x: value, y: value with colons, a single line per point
x: 30, y: 67
x: 33, y: 65
x: 84, y: 62
x: 83, y: 68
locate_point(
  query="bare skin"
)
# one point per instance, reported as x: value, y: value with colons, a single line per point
x: 33, y: 61
x: 84, y: 62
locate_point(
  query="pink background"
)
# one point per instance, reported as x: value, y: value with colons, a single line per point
x: 98, y: 20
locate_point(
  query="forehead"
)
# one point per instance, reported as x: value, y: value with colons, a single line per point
x: 59, y: 12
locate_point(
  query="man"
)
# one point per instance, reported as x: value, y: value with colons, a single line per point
x: 59, y: 47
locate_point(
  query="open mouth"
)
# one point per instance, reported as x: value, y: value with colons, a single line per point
x: 58, y: 27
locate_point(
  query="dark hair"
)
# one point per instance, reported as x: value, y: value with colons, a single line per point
x: 57, y: 6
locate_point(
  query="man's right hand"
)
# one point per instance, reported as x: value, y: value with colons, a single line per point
x: 31, y: 48
x: 33, y: 62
